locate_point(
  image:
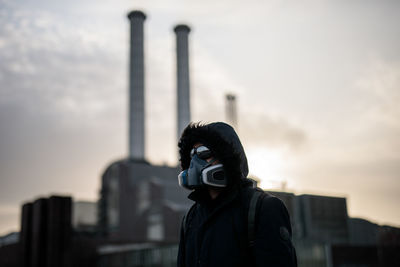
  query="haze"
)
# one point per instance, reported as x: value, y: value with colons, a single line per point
x: 317, y: 84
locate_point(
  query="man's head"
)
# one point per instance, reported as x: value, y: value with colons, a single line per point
x: 220, y: 143
x: 204, y: 170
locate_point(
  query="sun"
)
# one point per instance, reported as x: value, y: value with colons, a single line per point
x: 267, y: 165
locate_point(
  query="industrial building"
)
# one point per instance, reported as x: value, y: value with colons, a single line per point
x: 323, y: 219
x: 45, y: 238
x: 141, y: 202
x: 140, y: 205
x: 84, y: 216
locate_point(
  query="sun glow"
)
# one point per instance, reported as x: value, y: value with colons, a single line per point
x: 268, y: 166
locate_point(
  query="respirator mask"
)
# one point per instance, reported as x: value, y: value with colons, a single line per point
x: 201, y: 172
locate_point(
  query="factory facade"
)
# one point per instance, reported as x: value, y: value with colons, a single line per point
x: 323, y: 234
x: 141, y: 206
x: 141, y: 202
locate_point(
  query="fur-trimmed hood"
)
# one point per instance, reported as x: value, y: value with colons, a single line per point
x: 223, y: 142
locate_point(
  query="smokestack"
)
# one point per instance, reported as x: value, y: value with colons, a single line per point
x: 183, y: 83
x: 136, y: 87
x: 231, y: 112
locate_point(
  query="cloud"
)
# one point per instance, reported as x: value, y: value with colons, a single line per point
x: 56, y: 69
x: 63, y: 87
x: 274, y: 132
x: 62, y: 94
x: 380, y: 83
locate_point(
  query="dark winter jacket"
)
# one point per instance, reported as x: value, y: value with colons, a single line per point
x: 215, y: 231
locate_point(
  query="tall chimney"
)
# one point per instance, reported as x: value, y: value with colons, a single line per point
x: 183, y: 83
x: 136, y: 87
x: 231, y: 112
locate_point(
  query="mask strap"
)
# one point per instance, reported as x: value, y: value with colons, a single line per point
x: 209, y: 164
x: 212, y: 161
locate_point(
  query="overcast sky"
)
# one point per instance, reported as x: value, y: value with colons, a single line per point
x: 317, y: 84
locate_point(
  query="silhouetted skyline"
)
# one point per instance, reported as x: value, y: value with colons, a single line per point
x: 316, y: 85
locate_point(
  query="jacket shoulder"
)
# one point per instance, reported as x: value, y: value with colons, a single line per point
x: 248, y: 192
x: 273, y: 243
x: 272, y: 202
x: 273, y: 208
x: 270, y: 210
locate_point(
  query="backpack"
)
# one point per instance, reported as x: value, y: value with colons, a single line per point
x: 251, y: 217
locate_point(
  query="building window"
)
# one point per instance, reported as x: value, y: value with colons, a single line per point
x: 155, y: 229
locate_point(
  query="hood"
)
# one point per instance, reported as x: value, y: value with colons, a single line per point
x: 224, y: 143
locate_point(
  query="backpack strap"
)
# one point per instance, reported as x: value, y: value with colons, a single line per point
x: 257, y: 195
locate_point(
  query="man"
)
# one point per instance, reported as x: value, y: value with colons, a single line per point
x: 218, y: 229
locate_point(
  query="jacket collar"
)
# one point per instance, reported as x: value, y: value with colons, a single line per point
x: 213, y: 206
x: 202, y: 196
